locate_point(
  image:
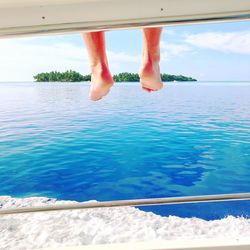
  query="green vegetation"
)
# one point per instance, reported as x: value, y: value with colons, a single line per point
x: 178, y: 78
x: 73, y: 76
x: 68, y: 76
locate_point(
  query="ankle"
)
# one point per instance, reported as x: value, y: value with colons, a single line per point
x: 151, y: 57
x: 99, y: 68
x: 101, y: 71
x: 149, y: 66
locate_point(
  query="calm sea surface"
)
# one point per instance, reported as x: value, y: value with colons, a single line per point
x: 188, y: 139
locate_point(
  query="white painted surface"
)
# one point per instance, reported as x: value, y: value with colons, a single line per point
x: 214, y: 244
x: 37, y: 16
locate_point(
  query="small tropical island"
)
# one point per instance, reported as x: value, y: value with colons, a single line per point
x: 73, y: 76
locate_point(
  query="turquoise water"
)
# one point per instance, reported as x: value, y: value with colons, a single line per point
x: 188, y: 139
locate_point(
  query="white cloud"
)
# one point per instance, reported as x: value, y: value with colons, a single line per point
x: 21, y: 59
x: 122, y: 57
x: 168, y: 31
x: 123, y: 62
x: 169, y: 50
x: 235, y: 42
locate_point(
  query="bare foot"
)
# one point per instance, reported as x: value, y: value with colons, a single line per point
x: 101, y: 82
x: 150, y: 77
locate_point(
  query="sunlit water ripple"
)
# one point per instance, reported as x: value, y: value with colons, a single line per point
x: 188, y: 139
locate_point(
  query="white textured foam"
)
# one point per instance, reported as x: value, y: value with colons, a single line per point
x: 104, y: 225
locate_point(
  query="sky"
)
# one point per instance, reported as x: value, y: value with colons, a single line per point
x: 207, y: 52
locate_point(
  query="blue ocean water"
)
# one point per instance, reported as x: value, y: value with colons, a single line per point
x: 188, y: 139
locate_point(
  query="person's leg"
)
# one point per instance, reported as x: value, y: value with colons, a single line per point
x: 150, y: 70
x: 101, y: 78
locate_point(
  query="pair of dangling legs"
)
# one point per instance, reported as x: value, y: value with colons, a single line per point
x: 101, y: 78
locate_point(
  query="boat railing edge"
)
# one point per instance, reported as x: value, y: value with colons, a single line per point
x: 126, y: 203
